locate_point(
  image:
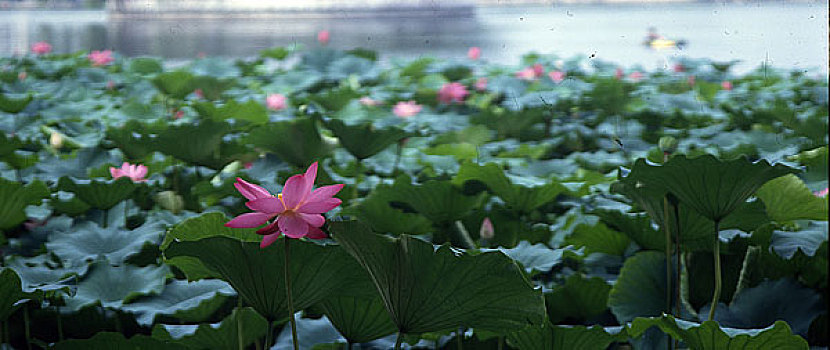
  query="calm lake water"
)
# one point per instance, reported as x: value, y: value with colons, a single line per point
x: 790, y: 36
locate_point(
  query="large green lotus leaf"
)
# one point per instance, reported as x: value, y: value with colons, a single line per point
x: 203, y: 226
x: 552, y: 337
x: 13, y: 154
x: 537, y: 257
x: 358, y: 312
x: 40, y: 273
x: 636, y: 226
x: 439, y: 201
x: 15, y: 199
x: 100, y: 194
x: 427, y: 289
x: 808, y: 241
x: 129, y: 139
x: 13, y: 105
x: 640, y: 289
x: 116, y: 341
x: 11, y: 293
x: 212, y: 87
x: 87, y: 242
x: 519, y: 197
x: 579, y: 299
x: 112, y: 286
x: 376, y: 211
x: 145, y: 65
x: 364, y: 140
x: 296, y: 142
x: 598, y: 239
x: 315, y: 334
x: 816, y: 162
x: 224, y: 335
x: 250, y: 110
x: 709, y: 336
x: 199, y: 144
x: 351, y: 65
x: 320, y: 59
x: 52, y: 168
x: 317, y: 271
x: 714, y: 188
x: 788, y: 198
x: 770, y: 301
x: 180, y: 297
x: 176, y: 84
x: 294, y: 80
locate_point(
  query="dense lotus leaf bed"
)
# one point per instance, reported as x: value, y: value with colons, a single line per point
x: 527, y: 207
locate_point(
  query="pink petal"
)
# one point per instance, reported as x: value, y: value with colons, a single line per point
x: 315, y: 220
x: 269, y: 205
x: 319, y: 207
x: 324, y: 193
x: 295, y: 190
x: 292, y: 226
x: 115, y: 172
x: 269, y: 229
x: 269, y: 239
x: 248, y: 220
x: 311, y: 173
x: 315, y: 233
x: 250, y: 190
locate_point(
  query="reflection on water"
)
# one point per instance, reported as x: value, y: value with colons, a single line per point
x: 791, y: 36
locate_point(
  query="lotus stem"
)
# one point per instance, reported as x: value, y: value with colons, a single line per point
x: 677, y: 263
x: 716, y: 294
x: 288, y: 296
x: 501, y: 343
x: 239, y: 341
x: 460, y: 338
x: 126, y: 212
x: 269, y: 334
x: 106, y: 218
x: 60, y: 324
x: 462, y: 236
x: 358, y: 176
x: 743, y: 278
x: 398, y: 154
x: 398, y: 341
x: 26, y: 329
x: 668, y: 253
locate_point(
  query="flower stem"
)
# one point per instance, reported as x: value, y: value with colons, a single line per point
x: 126, y: 212
x: 462, y: 237
x: 668, y: 253
x: 716, y: 294
x: 288, y: 296
x: 26, y: 330
x: 399, y: 341
x: 269, y: 334
x: 239, y: 341
x: 358, y: 177
x: 460, y: 338
x: 60, y: 324
x: 501, y: 342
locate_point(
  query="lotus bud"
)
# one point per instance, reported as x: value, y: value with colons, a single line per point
x: 171, y: 201
x: 56, y: 140
x: 487, y: 231
x: 668, y: 144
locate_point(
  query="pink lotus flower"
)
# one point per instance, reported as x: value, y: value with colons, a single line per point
x: 726, y: 85
x: 178, y: 115
x: 691, y: 80
x: 526, y: 74
x: 41, y: 48
x: 406, y: 109
x: 275, y: 102
x: 474, y: 53
x: 557, y: 76
x: 323, y: 37
x: 618, y: 74
x: 636, y: 76
x: 487, y: 231
x: 110, y: 85
x: 678, y: 68
x: 100, y: 58
x: 481, y: 84
x: 22, y: 76
x: 298, y: 209
x: 822, y: 193
x: 538, y: 70
x: 199, y: 93
x: 368, y: 101
x: 134, y: 172
x: 249, y: 165
x: 452, y: 93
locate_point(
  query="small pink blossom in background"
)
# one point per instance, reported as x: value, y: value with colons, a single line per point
x: 406, y: 109
x: 100, y: 58
x: 298, y: 209
x: 822, y: 193
x: 110, y: 85
x: 526, y: 74
x: 32, y: 224
x: 323, y: 37
x: 178, y: 115
x: 538, y: 70
x: 22, y: 76
x: 134, y: 172
x: 368, y: 101
x: 557, y: 76
x: 275, y: 102
x: 474, y: 53
x: 487, y: 231
x: 452, y: 93
x: 199, y: 93
x: 678, y: 68
x: 201, y: 54
x: 481, y: 84
x: 248, y: 165
x: 726, y: 85
x: 618, y: 73
x: 635, y: 76
x: 41, y: 48
x: 691, y: 80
